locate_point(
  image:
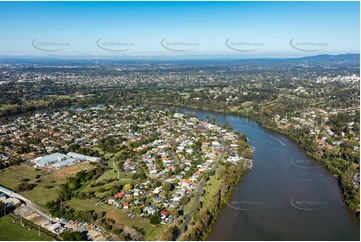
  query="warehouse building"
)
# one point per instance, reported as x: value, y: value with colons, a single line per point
x: 83, y: 157
x: 56, y: 160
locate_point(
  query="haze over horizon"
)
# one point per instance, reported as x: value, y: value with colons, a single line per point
x: 179, y: 29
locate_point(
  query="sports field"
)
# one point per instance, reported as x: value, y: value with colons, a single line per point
x: 10, y: 230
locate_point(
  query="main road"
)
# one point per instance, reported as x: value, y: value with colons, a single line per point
x: 200, y: 185
x: 28, y: 203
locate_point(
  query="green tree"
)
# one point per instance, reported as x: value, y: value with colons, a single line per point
x: 2, y: 208
x: 166, y: 187
x: 72, y: 236
x: 155, y: 219
x: 247, y: 154
x: 142, y: 175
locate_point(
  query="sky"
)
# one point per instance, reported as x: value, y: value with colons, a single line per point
x: 267, y: 29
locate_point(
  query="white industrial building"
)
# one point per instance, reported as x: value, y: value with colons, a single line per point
x: 58, y: 160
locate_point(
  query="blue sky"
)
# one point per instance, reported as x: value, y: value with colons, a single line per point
x: 186, y: 28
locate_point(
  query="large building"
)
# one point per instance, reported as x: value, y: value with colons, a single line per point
x: 58, y: 160
x: 83, y: 157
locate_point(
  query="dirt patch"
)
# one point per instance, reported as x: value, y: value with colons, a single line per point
x: 114, y: 215
x: 70, y: 171
x: 30, y: 215
x: 95, y: 235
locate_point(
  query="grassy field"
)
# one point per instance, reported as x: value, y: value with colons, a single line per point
x: 48, y: 186
x: 211, y: 186
x: 119, y: 215
x: 7, y: 106
x: 10, y: 230
x: 12, y: 176
x: 124, y: 178
x: 188, y: 207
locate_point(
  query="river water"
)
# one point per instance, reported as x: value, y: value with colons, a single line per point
x: 286, y: 196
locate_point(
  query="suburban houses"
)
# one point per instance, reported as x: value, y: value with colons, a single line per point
x: 161, y: 155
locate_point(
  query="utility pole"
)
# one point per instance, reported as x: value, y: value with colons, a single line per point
x: 39, y: 229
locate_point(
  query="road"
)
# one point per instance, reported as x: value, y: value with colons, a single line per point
x: 188, y: 217
x: 28, y: 203
x: 116, y: 168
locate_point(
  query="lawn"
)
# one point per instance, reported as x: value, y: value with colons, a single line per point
x: 188, y: 207
x: 12, y: 176
x: 212, y: 187
x: 107, y: 175
x: 7, y: 106
x: 119, y: 215
x: 110, y: 174
x: 10, y: 230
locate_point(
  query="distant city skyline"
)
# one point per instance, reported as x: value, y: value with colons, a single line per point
x: 240, y: 29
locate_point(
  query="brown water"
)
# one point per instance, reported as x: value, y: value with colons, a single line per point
x: 286, y: 196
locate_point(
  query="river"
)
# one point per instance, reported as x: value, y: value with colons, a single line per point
x: 286, y: 196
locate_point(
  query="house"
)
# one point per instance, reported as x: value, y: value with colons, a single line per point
x: 136, y: 193
x: 156, y: 191
x: 178, y: 115
x: 186, y: 183
x: 157, y: 199
x: 4, y: 158
x: 120, y: 194
x: 166, y: 204
x: 136, y: 202
x: 180, y: 192
x: 174, y: 204
x: 150, y: 210
x: 126, y: 205
x: 176, y: 198
x: 164, y: 214
x: 128, y: 194
x: 117, y: 204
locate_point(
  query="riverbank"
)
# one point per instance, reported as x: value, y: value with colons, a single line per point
x: 350, y: 194
x: 214, y: 196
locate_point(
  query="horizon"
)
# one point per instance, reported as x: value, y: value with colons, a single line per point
x: 165, y: 57
x: 179, y: 29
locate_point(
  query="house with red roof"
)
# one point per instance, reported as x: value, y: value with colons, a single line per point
x: 164, y: 213
x: 120, y: 194
x: 126, y: 205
